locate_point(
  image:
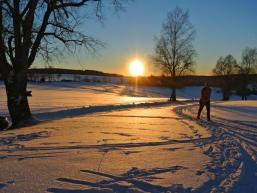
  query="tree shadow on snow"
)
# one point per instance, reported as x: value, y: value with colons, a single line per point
x: 134, y: 180
x: 228, y: 138
x: 13, y: 144
x: 15, y: 139
x: 76, y: 112
x: 116, y: 146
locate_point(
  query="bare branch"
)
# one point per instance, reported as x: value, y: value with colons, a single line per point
x: 28, y: 24
x: 225, y: 66
x: 40, y: 34
x: 174, y: 52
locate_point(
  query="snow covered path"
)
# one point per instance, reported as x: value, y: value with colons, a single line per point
x: 114, y: 138
x: 138, y: 150
x: 234, y: 145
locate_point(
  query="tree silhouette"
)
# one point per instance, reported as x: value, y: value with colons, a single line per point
x: 32, y: 28
x: 249, y: 61
x: 247, y: 66
x: 225, y: 67
x: 174, y: 51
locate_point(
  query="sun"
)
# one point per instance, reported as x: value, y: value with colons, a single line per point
x: 136, y: 68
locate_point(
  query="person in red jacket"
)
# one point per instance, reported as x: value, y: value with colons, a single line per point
x: 205, y: 101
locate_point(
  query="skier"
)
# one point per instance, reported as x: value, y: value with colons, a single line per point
x: 205, y: 101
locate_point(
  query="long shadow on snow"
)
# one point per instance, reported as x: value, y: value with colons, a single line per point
x: 13, y: 144
x: 114, y: 146
x: 132, y: 179
x: 60, y: 150
x: 248, y: 177
x: 15, y: 139
x: 69, y: 113
x: 22, y: 157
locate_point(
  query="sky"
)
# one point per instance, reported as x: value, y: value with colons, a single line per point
x: 222, y: 27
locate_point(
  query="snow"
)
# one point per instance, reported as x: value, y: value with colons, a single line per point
x: 107, y: 137
x: 234, y: 131
x: 241, y: 109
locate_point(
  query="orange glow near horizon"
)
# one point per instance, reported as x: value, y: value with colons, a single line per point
x: 136, y: 68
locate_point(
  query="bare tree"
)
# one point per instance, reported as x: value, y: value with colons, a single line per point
x: 174, y: 51
x: 30, y: 28
x: 249, y: 61
x: 248, y: 66
x: 225, y: 67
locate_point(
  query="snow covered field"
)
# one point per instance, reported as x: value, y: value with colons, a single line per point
x: 117, y: 138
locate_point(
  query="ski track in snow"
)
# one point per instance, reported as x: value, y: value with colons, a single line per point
x: 233, y: 147
x: 229, y: 152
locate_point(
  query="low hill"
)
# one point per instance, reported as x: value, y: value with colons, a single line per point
x: 70, y: 71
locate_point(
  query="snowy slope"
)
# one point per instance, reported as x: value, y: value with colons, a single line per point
x: 133, y: 150
x: 118, y: 138
x: 234, y: 145
x: 65, y: 95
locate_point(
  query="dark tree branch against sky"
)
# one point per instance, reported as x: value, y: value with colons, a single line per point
x: 37, y: 27
x: 225, y: 67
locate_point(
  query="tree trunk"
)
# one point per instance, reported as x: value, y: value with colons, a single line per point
x: 226, y: 92
x: 17, y: 99
x: 225, y: 97
x: 173, y: 96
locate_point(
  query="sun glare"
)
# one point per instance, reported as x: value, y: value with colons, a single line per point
x: 136, y: 68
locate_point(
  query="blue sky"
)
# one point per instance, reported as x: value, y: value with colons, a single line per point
x: 223, y: 27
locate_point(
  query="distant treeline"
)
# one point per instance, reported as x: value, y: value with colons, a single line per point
x: 160, y: 81
x: 242, y: 85
x: 70, y: 71
x: 193, y: 80
x: 180, y: 81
